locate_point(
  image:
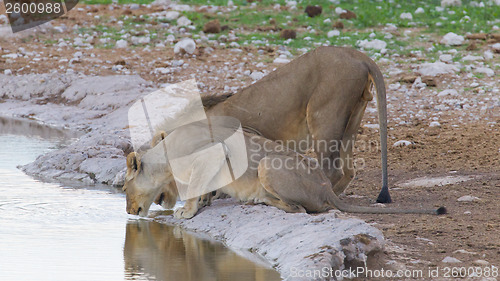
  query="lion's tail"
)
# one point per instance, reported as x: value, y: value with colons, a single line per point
x: 378, y: 79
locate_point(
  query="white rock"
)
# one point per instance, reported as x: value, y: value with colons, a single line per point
x: 281, y: 60
x: 372, y: 126
x: 172, y: 15
x: 7, y: 72
x: 134, y: 7
x: 121, y: 44
x: 437, y: 68
x: 488, y: 55
x: 485, y: 70
x: 339, y: 10
x: 451, y: 260
x: 448, y: 92
x: 402, y: 143
x: 468, y: 198
x: 480, y: 263
x: 257, y: 75
x: 452, y: 39
x: 434, y: 124
x: 472, y: 58
x: 467, y: 213
x: 333, y: 33
x: 183, y: 21
x: 327, y: 21
x: 446, y: 58
x: 170, y: 38
x: 419, y: 10
x: 78, y: 42
x: 445, y: 3
x: 78, y: 55
x: 186, y: 45
x: 406, y: 16
x: 374, y: 44
x: 496, y: 47
x: 474, y: 84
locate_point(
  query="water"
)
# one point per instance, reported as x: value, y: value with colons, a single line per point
x: 53, y: 232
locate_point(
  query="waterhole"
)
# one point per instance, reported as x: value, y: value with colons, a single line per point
x: 51, y: 231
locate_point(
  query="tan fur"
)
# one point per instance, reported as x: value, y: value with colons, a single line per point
x: 297, y: 185
x: 319, y: 96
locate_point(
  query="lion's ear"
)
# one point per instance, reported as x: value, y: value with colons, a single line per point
x: 158, y: 137
x: 133, y: 162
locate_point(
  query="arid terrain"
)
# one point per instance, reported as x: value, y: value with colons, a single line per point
x: 450, y: 119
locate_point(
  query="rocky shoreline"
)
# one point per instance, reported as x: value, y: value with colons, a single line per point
x: 97, y: 107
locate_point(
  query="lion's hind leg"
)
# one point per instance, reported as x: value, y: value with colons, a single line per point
x: 295, y: 182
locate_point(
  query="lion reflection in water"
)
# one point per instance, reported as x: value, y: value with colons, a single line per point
x: 170, y: 253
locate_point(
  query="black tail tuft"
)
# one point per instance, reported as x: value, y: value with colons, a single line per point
x: 441, y: 211
x: 384, y: 196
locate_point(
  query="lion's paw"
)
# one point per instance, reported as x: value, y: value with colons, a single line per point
x: 184, y: 213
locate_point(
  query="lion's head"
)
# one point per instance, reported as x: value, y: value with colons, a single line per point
x: 147, y: 182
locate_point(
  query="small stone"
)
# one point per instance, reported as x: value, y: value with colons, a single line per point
x: 212, y: 27
x: 172, y: 15
x: 402, y: 143
x: 446, y: 3
x: 7, y: 72
x: 313, y: 11
x: 186, y: 45
x: 257, y: 75
x: 434, y: 124
x: 419, y: 10
x: 468, y: 198
x: 437, y: 68
x: 406, y: 16
x: 496, y: 47
x: 467, y: 213
x: 485, y: 70
x: 448, y: 92
x: 281, y: 60
x: 288, y: 34
x: 488, y: 55
x: 183, y: 21
x: 346, y: 14
x: 452, y: 39
x: 446, y: 58
x: 121, y: 44
x: 374, y: 44
x: 480, y: 263
x: 451, y: 260
x: 332, y: 33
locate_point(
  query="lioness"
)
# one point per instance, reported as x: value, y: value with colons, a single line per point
x: 319, y: 97
x: 296, y: 184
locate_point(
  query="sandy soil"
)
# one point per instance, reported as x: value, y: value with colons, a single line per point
x: 466, y: 142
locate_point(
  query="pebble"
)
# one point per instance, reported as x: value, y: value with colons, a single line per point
x: 121, y: 44
x: 434, y: 124
x: 186, y: 45
x: 333, y: 33
x: 7, y: 72
x: 480, y: 263
x: 183, y: 21
x: 451, y: 260
x: 374, y: 44
x: 402, y: 143
x: 446, y: 58
x: 468, y: 198
x: 406, y: 16
x: 496, y: 47
x: 172, y: 15
x: 419, y: 10
x: 257, y: 75
x: 452, y: 39
x: 485, y: 70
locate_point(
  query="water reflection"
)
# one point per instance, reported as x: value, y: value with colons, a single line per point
x: 156, y: 251
x: 31, y: 128
x: 54, y: 232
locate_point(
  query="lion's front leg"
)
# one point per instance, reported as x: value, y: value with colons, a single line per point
x: 189, y: 209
